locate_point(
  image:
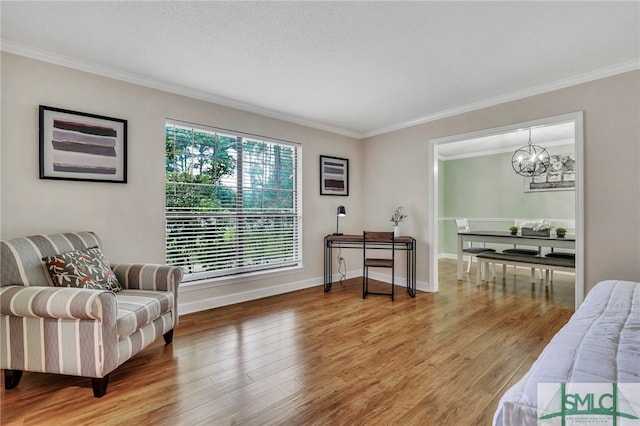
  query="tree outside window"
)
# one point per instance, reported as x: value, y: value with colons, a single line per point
x: 232, y: 202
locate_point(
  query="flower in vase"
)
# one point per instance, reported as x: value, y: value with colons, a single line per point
x: 398, y: 216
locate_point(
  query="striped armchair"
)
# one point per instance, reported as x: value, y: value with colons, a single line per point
x: 78, y: 331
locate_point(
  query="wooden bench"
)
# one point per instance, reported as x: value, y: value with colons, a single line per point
x: 533, y: 262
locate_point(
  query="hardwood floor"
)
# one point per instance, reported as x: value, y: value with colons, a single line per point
x: 310, y: 358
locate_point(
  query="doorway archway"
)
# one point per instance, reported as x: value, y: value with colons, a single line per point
x: 434, y: 197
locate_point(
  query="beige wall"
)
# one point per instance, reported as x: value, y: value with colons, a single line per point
x: 385, y: 171
x: 129, y: 218
x: 611, y: 174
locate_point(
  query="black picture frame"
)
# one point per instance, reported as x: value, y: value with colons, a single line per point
x: 81, y: 146
x: 334, y: 176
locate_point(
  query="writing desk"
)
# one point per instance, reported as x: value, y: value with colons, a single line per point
x: 503, y: 237
x: 405, y: 243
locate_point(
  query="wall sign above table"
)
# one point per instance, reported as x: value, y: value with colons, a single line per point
x: 561, y: 176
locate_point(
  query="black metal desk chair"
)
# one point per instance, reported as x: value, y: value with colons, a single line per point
x: 370, y: 240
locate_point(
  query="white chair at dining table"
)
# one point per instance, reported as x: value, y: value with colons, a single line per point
x: 462, y: 225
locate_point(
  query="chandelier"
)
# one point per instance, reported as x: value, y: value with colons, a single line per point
x: 530, y: 160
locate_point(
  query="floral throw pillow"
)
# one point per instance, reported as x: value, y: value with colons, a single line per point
x: 86, y: 268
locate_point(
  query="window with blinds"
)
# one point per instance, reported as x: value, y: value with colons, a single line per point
x: 233, y: 202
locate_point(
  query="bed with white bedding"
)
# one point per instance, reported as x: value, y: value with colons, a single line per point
x: 599, y: 344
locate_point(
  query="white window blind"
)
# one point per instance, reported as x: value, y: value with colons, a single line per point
x: 233, y: 202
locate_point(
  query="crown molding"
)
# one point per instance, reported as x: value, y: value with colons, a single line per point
x: 10, y: 46
x: 513, y: 96
x: 509, y: 149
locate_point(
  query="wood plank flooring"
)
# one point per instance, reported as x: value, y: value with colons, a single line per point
x: 310, y: 358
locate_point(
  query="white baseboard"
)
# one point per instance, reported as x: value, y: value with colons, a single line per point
x: 448, y: 256
x: 245, y: 296
x: 386, y: 278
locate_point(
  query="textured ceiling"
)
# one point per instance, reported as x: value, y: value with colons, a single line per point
x: 357, y: 68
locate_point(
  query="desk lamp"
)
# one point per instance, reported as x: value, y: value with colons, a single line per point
x: 340, y: 213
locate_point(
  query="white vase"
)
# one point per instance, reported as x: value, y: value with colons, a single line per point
x: 396, y: 231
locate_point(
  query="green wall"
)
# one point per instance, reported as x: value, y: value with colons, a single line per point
x: 487, y: 187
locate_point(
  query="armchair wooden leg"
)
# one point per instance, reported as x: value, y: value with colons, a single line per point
x: 12, y: 378
x: 99, y: 386
x: 168, y: 336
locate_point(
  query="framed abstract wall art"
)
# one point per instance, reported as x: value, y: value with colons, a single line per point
x: 80, y: 146
x: 334, y: 176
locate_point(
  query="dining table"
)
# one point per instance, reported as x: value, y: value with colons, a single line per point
x: 505, y: 237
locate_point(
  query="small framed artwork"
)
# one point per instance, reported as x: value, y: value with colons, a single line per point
x: 334, y: 176
x: 80, y: 146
